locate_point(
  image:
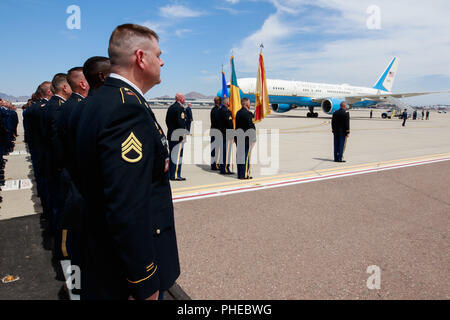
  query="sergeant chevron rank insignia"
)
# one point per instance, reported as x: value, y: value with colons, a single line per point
x: 132, y: 149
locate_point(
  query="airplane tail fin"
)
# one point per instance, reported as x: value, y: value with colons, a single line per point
x: 386, y: 81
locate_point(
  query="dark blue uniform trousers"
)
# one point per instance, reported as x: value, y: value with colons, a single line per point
x: 243, y: 161
x: 224, y: 163
x: 339, y: 145
x: 176, y: 159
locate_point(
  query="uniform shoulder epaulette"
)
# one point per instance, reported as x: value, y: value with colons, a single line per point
x: 128, y: 96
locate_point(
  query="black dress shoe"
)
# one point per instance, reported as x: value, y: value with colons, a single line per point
x: 230, y: 172
x: 342, y: 161
x: 179, y: 179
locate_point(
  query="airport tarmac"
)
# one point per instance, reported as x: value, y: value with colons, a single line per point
x: 305, y: 227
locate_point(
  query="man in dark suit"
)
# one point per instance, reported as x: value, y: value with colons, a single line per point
x: 340, y: 125
x: 226, y: 128
x: 176, y: 132
x: 215, y: 146
x: 404, y: 117
x: 245, y: 139
x: 129, y: 247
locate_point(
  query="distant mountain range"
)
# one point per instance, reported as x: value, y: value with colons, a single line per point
x: 189, y: 96
x: 10, y: 98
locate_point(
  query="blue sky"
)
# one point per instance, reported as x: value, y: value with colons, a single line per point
x: 321, y: 41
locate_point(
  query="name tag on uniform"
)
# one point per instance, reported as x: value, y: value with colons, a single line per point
x: 166, y: 165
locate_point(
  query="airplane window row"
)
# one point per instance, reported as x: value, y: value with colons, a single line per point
x: 338, y: 92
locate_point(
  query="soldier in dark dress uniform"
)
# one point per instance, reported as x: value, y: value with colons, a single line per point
x: 215, y: 146
x: 52, y: 149
x: 245, y: 139
x: 176, y: 132
x: 129, y: 247
x: 226, y: 128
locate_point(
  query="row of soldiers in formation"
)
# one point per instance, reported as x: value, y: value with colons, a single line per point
x: 50, y: 123
x: 8, y: 134
x: 101, y: 166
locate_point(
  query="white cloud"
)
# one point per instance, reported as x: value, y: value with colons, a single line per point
x: 328, y: 41
x: 179, y: 11
x: 233, y: 1
x: 155, y: 26
x: 181, y: 32
x: 231, y: 10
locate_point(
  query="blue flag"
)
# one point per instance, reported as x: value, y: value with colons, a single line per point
x: 224, y: 87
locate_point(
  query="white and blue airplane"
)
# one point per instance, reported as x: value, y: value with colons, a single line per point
x: 286, y: 95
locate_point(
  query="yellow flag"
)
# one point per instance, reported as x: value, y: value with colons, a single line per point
x: 235, y: 97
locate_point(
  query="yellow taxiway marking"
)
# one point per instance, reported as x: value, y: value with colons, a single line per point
x: 263, y: 180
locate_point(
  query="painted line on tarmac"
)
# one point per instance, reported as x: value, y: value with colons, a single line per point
x: 296, y: 175
x: 18, y: 153
x: 289, y: 182
x: 14, y: 185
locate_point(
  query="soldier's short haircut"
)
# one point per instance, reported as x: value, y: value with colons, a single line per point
x: 58, y: 81
x: 217, y: 100
x: 43, y: 88
x: 93, y: 67
x: 244, y: 100
x: 71, y: 76
x: 125, y: 40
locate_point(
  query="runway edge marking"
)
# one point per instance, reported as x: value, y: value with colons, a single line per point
x: 288, y: 182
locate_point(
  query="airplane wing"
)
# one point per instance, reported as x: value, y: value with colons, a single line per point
x: 379, y: 97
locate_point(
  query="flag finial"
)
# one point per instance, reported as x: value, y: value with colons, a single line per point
x: 261, y: 46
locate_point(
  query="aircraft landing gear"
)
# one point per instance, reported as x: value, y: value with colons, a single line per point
x: 311, y: 113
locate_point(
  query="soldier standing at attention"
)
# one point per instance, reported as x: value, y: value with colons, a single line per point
x: 246, y: 137
x: 51, y: 147
x: 129, y: 247
x: 226, y: 128
x: 175, y: 120
x: 215, y: 146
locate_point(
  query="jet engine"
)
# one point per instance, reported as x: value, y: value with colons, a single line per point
x: 331, y: 105
x: 281, y: 108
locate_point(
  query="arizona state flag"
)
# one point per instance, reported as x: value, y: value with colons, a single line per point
x: 262, y: 107
x: 235, y: 97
